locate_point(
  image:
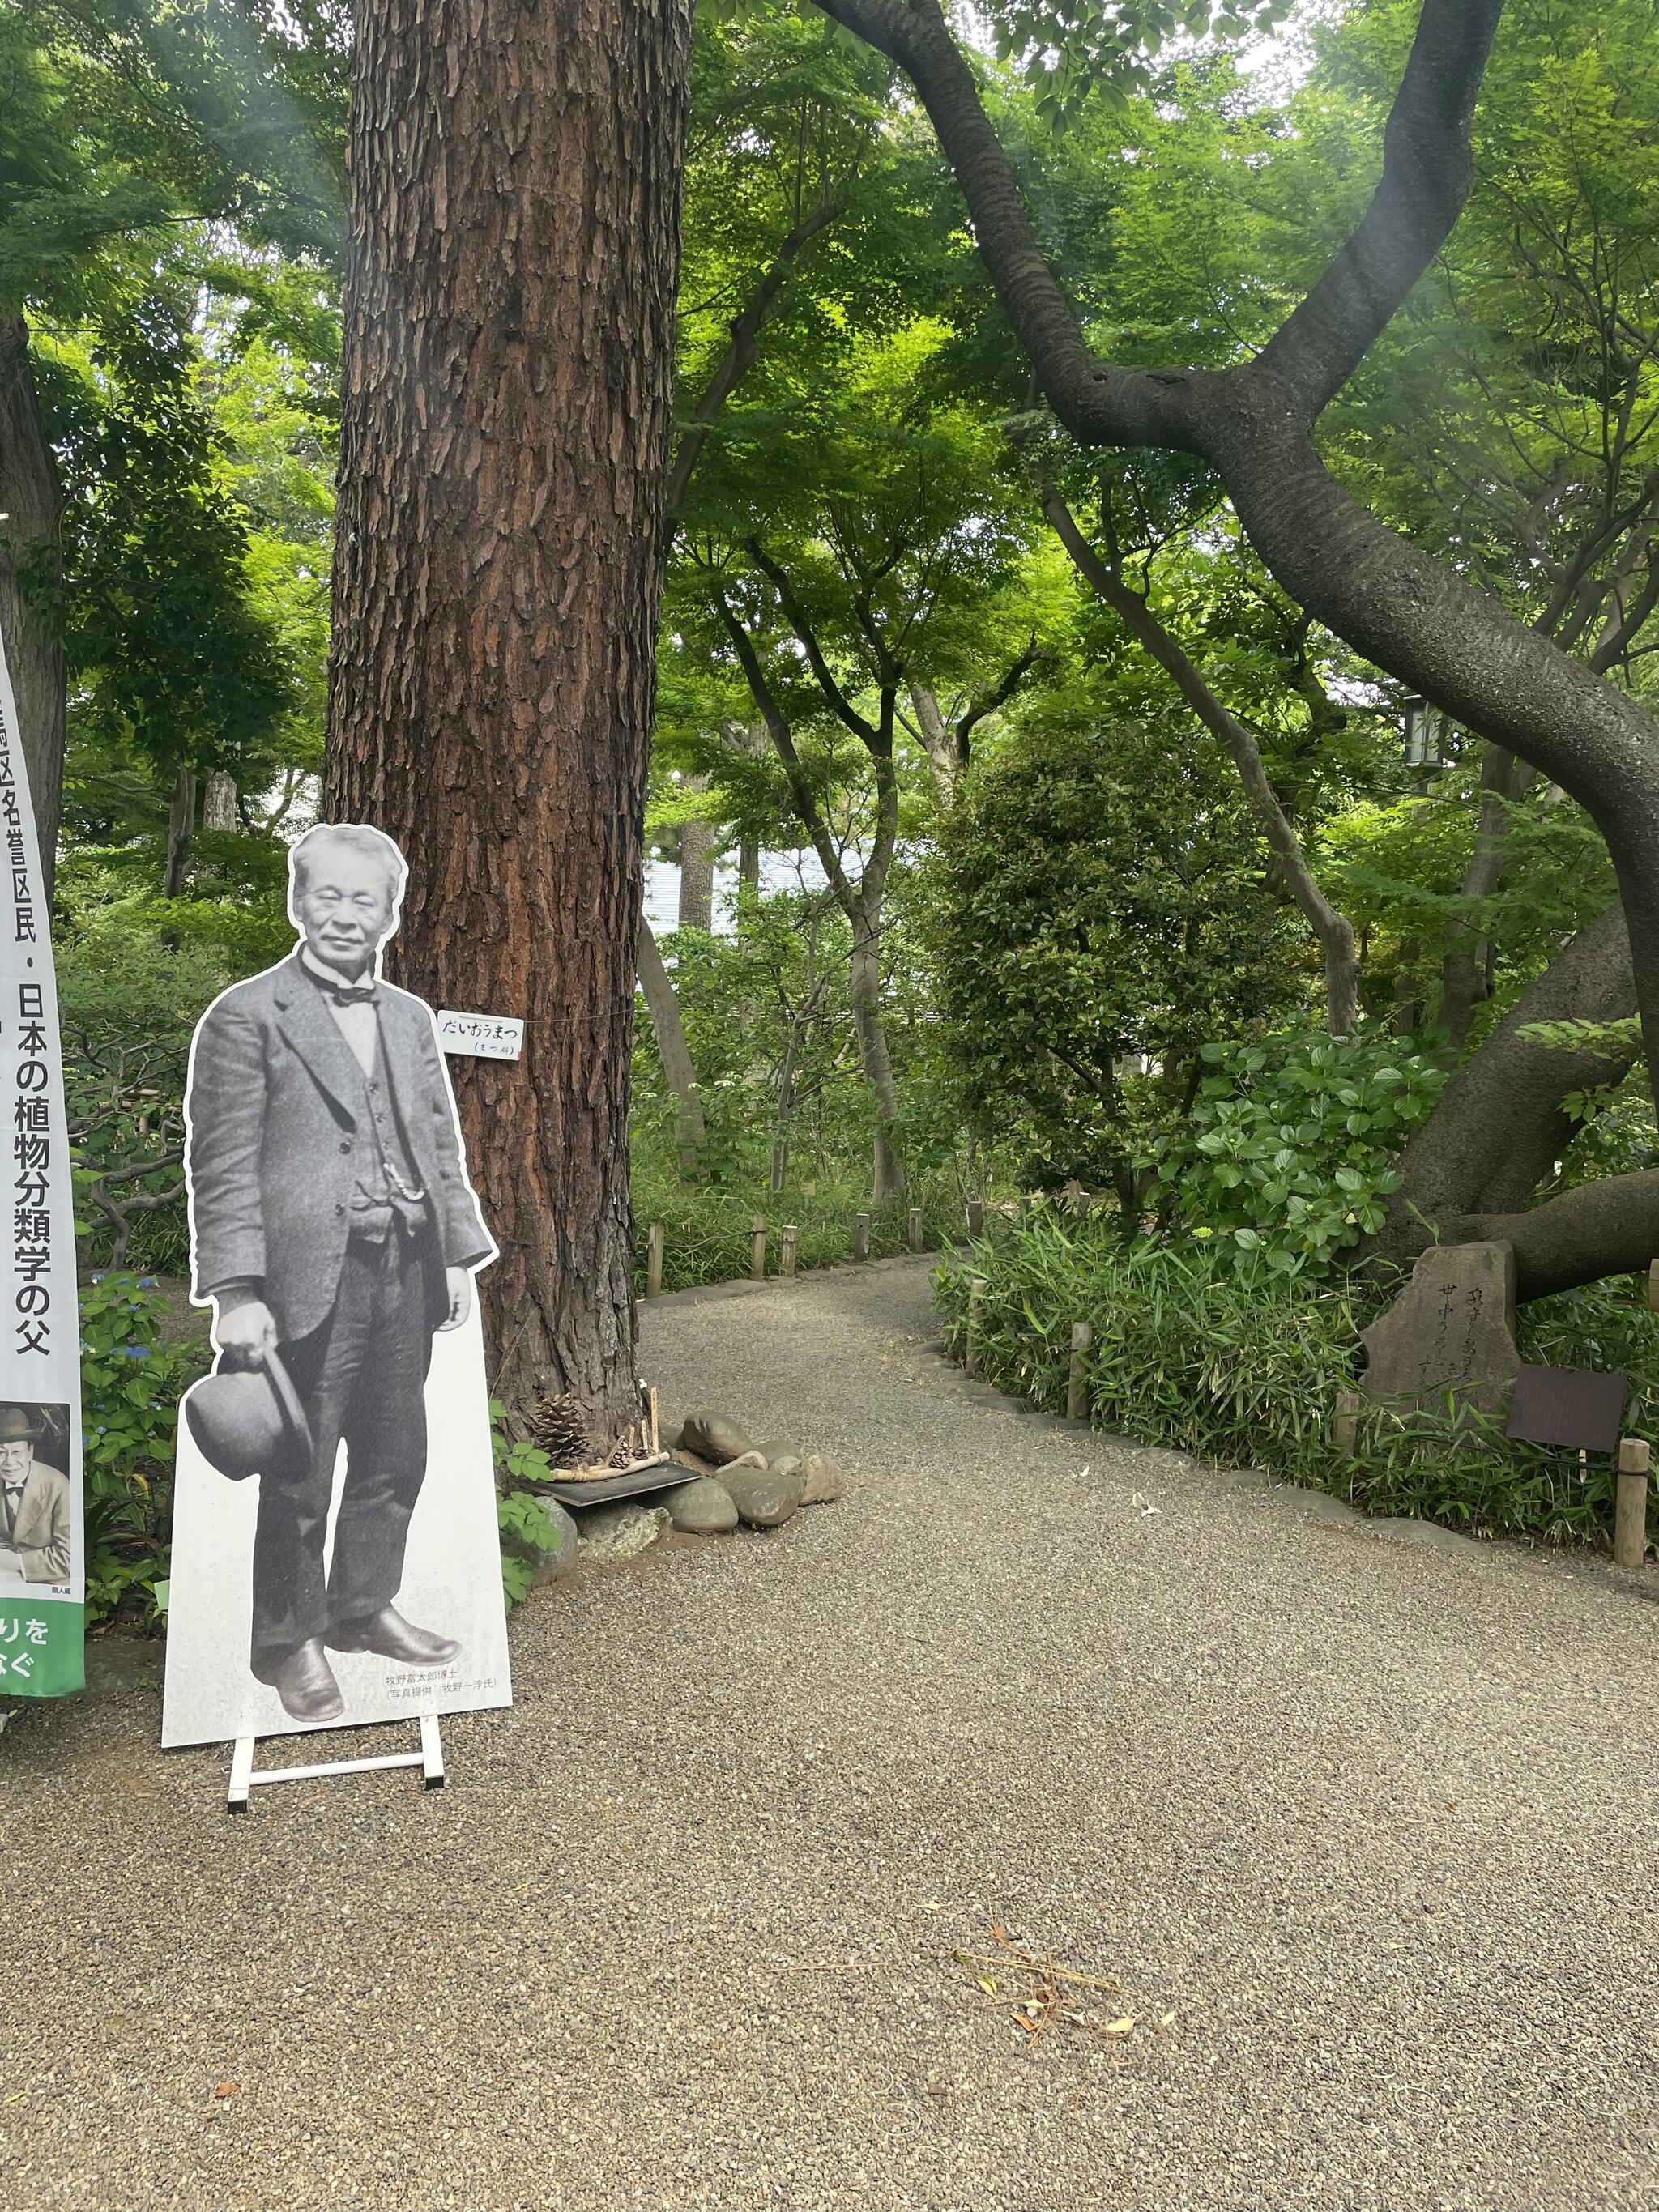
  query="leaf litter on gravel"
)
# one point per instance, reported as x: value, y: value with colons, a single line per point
x: 1039, y: 1995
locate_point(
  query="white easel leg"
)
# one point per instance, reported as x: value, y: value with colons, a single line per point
x: 432, y: 1751
x: 246, y: 1777
x: 241, y: 1774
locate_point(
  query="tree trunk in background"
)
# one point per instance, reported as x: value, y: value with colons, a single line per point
x: 864, y: 985
x: 506, y: 417
x: 748, y: 860
x: 31, y: 554
x: 937, y: 737
x: 181, y: 824
x: 219, y: 803
x: 697, y: 842
x: 672, y: 1048
x: 1407, y: 1013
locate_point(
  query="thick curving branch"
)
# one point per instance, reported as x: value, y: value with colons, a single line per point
x: 1498, y: 1129
x: 1610, y: 1227
x: 1428, y: 170
x: 1100, y: 403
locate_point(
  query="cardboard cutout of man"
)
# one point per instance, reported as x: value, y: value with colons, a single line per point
x: 335, y: 1231
x: 36, y: 1524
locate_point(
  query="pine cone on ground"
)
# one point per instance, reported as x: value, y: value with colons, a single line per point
x: 560, y: 1428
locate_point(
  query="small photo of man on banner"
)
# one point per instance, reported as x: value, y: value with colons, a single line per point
x: 37, y: 1522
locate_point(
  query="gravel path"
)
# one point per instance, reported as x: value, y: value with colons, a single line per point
x: 1373, y: 1823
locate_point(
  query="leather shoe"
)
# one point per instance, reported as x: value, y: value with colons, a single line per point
x: 389, y: 1635
x: 305, y: 1682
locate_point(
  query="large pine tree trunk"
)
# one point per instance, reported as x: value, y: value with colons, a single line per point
x: 506, y: 416
x: 30, y: 558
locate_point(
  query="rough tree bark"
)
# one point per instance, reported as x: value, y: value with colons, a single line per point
x: 218, y: 802
x: 506, y: 401
x: 1420, y: 621
x: 32, y: 554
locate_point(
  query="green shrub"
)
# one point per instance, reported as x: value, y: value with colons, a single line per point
x: 528, y: 1531
x: 1292, y: 1145
x: 131, y: 1385
x: 1222, y: 1355
x: 1096, y: 897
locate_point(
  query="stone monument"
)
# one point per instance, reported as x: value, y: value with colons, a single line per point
x: 1450, y: 1334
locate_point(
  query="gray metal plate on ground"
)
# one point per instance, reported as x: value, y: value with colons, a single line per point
x: 633, y: 1482
x: 1568, y: 1407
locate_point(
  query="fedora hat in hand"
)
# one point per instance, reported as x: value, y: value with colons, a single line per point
x: 249, y: 1421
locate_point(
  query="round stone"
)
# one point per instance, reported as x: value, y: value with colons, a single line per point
x: 821, y: 1479
x: 621, y: 1531
x: 764, y: 1500
x: 556, y: 1557
x: 702, y: 1507
x: 713, y: 1436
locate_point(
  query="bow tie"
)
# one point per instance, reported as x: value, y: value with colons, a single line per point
x: 347, y: 994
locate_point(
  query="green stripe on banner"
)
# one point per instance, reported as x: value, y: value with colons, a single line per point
x: 43, y: 1648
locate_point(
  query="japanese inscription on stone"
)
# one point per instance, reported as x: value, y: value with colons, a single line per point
x: 1448, y: 1339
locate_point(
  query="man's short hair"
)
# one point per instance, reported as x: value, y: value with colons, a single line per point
x: 356, y: 837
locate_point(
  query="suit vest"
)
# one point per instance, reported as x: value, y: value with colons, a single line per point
x: 388, y: 1185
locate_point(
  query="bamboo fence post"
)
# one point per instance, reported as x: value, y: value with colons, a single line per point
x: 860, y: 1236
x: 1344, y: 1429
x: 976, y: 1217
x: 1077, y: 1379
x: 786, y: 1250
x: 1630, y: 1512
x: 758, y: 1249
x: 914, y: 1229
x: 977, y: 1289
x: 653, y: 1261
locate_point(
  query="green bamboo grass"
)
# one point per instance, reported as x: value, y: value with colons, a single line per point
x: 1245, y: 1368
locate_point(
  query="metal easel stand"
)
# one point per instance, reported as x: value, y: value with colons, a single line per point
x: 243, y: 1777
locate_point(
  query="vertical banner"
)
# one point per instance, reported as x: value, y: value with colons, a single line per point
x: 42, y: 1585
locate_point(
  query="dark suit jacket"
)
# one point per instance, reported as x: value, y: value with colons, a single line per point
x: 273, y: 1152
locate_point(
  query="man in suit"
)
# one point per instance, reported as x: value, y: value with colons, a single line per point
x: 333, y: 1225
x: 34, y: 1504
